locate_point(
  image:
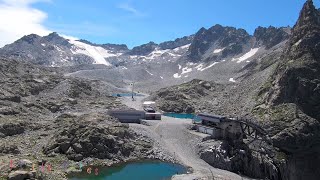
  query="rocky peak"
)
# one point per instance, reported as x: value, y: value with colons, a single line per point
x: 176, y: 43
x: 54, y: 38
x: 270, y: 36
x: 144, y: 49
x: 309, y: 16
x: 30, y: 38
x: 296, y: 79
x: 218, y: 36
x: 115, y: 47
x: 305, y: 34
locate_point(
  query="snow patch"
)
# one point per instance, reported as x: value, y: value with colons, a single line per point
x: 201, y: 68
x: 149, y: 72
x: 59, y: 49
x: 44, y: 45
x: 210, y: 66
x: 97, y: 53
x: 232, y: 80
x: 248, y: 55
x: 181, y: 47
x: 176, y: 75
x: 179, y: 66
x: 186, y: 70
x: 297, y: 43
x: 216, y: 51
x: 161, y: 77
x: 124, y: 68
x: 191, y: 64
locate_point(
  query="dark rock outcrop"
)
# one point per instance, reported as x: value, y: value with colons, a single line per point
x: 176, y: 43
x: 10, y: 129
x: 239, y: 158
x: 270, y: 36
x: 144, y: 49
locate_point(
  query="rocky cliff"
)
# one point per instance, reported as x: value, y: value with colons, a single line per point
x: 290, y: 100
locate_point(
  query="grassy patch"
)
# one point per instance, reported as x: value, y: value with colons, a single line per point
x: 280, y: 156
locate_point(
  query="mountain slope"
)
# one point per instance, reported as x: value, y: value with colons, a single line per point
x: 290, y: 100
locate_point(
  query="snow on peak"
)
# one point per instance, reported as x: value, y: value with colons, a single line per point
x: 97, y: 53
x: 248, y: 55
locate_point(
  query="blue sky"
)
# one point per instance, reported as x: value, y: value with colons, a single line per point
x: 135, y: 22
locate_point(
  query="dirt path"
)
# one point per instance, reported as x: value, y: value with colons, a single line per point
x: 178, y: 141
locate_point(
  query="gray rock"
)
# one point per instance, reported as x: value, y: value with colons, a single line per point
x: 77, y: 147
x: 18, y: 175
x: 64, y: 146
x: 78, y: 157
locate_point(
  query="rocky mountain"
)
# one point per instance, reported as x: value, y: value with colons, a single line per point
x: 279, y: 90
x: 56, y: 51
x: 51, y: 50
x: 221, y: 54
x: 218, y: 39
x: 290, y: 99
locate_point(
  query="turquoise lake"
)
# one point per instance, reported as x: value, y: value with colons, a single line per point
x: 133, y: 171
x: 180, y: 116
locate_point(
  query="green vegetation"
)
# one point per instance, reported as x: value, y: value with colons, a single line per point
x: 280, y: 156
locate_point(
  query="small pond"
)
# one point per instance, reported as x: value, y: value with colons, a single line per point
x: 132, y: 171
x: 126, y: 94
x: 180, y: 116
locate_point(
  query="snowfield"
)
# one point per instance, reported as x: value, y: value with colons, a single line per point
x: 248, y: 55
x: 97, y: 53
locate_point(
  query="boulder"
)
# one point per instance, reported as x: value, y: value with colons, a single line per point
x: 19, y: 175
